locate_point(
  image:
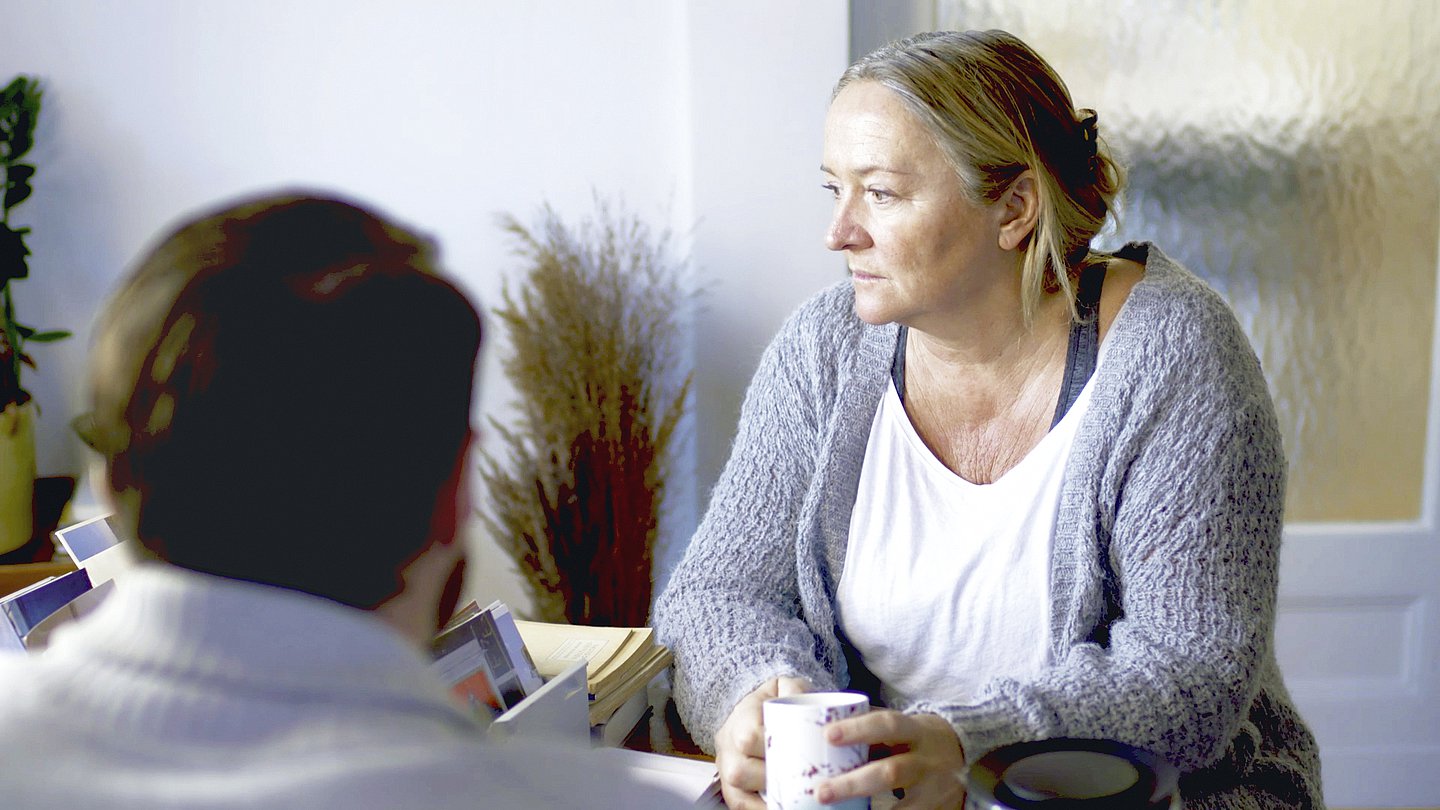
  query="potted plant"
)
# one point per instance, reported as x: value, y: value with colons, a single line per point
x: 575, y: 494
x: 19, y: 109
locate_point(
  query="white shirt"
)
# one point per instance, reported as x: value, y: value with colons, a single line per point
x: 947, y: 583
x: 185, y: 690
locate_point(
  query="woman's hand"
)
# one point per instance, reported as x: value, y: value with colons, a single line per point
x: 740, y: 745
x: 925, y: 759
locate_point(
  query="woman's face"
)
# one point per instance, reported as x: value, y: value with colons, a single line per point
x: 916, y: 247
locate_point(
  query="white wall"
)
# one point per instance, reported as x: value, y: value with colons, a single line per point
x: 760, y: 80
x: 444, y: 114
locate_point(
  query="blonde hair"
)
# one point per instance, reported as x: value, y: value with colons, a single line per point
x: 997, y: 109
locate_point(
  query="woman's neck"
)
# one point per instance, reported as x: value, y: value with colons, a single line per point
x: 991, y: 337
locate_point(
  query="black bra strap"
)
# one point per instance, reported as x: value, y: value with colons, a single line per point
x: 897, y: 363
x: 1080, y: 357
x: 1084, y: 350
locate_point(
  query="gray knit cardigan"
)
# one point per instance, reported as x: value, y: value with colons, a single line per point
x: 1165, y: 555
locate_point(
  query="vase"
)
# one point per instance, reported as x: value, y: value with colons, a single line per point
x: 17, y: 476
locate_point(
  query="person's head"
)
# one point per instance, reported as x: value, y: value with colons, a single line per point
x: 999, y: 112
x: 281, y: 393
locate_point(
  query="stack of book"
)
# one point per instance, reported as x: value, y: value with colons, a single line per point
x: 25, y: 610
x: 619, y: 661
x: 495, y: 662
x: 28, y: 616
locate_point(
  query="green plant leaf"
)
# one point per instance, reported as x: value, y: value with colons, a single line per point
x: 19, y: 109
x: 15, y: 193
x: 33, y: 93
x: 13, y: 253
x: 20, y: 139
x: 17, y: 184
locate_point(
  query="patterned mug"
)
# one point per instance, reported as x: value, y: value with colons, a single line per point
x: 797, y: 756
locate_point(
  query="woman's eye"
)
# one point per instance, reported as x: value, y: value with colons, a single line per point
x: 879, y: 195
x: 832, y: 188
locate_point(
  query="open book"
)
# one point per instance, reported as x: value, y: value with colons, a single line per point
x: 23, y: 610
x: 619, y: 661
x: 481, y: 655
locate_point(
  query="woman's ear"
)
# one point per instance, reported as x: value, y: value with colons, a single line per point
x: 1019, y: 210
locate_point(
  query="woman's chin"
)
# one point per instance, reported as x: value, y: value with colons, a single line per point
x: 872, y: 313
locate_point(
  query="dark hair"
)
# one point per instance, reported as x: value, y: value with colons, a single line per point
x: 996, y: 108
x: 282, y: 389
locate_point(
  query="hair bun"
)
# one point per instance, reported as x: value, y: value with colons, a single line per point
x: 1088, y: 121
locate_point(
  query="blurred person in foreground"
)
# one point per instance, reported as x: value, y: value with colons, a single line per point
x: 281, y: 396
x: 1013, y: 487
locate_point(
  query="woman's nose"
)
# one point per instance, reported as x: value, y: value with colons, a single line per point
x: 845, y: 233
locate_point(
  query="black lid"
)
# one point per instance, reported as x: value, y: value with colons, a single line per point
x: 1071, y: 774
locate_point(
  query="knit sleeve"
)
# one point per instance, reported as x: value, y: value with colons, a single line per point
x: 730, y: 611
x: 1187, y: 496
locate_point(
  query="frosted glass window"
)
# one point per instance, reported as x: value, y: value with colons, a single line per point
x: 1285, y: 150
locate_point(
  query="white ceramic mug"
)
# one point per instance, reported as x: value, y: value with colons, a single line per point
x: 797, y: 757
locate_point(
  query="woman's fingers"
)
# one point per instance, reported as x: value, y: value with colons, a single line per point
x: 925, y: 762
x: 924, y: 788
x: 920, y: 801
x: 740, y: 744
x: 748, y: 735
x: 876, y: 727
x: 785, y: 687
x: 741, y: 771
x: 873, y: 779
x: 740, y: 800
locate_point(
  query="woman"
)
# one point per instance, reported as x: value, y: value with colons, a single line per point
x: 1013, y: 488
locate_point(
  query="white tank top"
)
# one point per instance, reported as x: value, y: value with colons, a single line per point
x: 947, y: 583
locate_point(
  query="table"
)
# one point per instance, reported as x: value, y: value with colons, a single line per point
x: 660, y: 731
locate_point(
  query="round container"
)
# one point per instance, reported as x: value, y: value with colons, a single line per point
x: 1072, y: 774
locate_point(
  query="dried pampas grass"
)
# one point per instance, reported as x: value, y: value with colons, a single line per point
x: 575, y: 491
